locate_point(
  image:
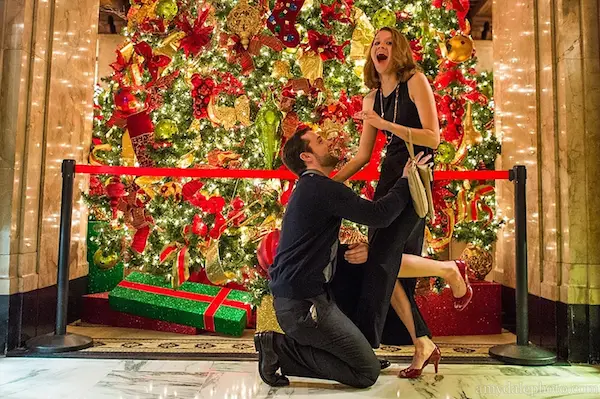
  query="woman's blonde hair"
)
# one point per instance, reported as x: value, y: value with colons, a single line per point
x: 402, y: 60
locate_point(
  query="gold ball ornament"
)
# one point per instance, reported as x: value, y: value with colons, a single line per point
x: 478, y: 260
x: 165, y: 129
x: 384, y: 17
x: 104, y: 261
x: 166, y: 9
x: 461, y: 48
x: 245, y: 21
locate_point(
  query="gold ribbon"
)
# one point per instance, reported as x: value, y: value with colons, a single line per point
x: 227, y: 116
x: 93, y: 158
x: 281, y: 69
x: 440, y: 243
x: 362, y: 36
x: 127, y: 152
x: 137, y: 15
x: 213, y: 266
x: 170, y: 45
x: 311, y: 65
x: 147, y: 183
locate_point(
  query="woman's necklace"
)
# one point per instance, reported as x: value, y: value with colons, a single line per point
x: 391, y: 136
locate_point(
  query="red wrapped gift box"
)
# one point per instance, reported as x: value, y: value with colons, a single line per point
x: 97, y: 311
x: 482, y: 316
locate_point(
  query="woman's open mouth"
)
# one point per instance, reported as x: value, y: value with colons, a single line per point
x: 382, y: 57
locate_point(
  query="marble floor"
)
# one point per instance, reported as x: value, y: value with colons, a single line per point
x: 37, y: 378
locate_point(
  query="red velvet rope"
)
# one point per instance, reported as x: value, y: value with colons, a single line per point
x: 281, y: 174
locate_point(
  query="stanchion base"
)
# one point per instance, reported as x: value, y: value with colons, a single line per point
x: 52, y: 343
x: 524, y: 355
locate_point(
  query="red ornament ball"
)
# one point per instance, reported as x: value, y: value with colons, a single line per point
x: 126, y: 101
x: 267, y: 249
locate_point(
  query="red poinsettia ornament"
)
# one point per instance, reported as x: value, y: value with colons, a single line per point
x: 197, y: 36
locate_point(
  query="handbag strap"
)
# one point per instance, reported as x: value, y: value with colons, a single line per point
x: 409, y: 144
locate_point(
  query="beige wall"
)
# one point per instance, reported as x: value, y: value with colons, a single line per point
x: 484, y: 50
x: 547, y: 94
x: 45, y: 116
x: 107, y: 46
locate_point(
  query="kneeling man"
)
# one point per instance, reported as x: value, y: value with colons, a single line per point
x: 319, y: 341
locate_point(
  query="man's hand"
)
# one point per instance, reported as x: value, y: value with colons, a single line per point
x: 357, y: 253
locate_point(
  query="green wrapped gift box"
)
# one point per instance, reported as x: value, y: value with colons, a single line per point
x: 202, y: 306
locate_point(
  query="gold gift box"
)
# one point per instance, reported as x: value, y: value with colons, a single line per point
x: 265, y: 316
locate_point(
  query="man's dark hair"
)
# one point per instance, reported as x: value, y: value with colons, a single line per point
x: 292, y: 149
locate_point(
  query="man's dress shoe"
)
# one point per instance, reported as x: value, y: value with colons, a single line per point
x: 268, y: 362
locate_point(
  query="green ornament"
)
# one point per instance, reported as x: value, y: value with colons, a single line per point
x: 166, y: 9
x: 445, y: 153
x: 384, y: 17
x: 165, y: 129
x: 267, y: 124
x: 104, y: 261
x: 270, y: 117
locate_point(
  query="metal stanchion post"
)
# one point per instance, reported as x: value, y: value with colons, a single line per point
x: 60, y: 340
x: 522, y: 353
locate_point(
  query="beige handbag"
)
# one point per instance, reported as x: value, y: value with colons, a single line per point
x: 419, y: 176
x: 419, y: 182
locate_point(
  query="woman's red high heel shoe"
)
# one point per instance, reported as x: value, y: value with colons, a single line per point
x: 461, y: 303
x: 434, y: 358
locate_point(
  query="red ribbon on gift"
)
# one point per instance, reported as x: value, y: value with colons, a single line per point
x: 214, y: 302
x: 182, y: 271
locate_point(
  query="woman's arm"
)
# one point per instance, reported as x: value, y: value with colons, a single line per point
x: 365, y: 148
x: 422, y: 96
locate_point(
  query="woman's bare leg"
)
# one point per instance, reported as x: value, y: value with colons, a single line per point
x: 424, y: 346
x: 417, y: 266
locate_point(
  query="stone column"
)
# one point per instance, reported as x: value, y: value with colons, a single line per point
x: 547, y: 91
x: 46, y: 89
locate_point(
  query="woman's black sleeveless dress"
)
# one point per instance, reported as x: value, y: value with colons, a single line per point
x: 375, y: 316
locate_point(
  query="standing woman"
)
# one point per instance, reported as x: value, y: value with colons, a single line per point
x: 401, y: 103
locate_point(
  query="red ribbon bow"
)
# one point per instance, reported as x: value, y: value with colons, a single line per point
x: 325, y: 46
x: 338, y: 11
x: 152, y: 62
x: 237, y: 52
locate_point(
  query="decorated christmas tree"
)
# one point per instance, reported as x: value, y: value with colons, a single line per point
x: 221, y: 85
